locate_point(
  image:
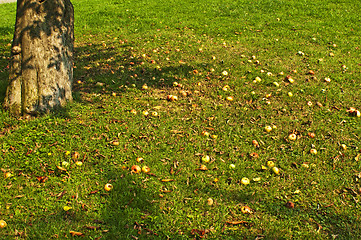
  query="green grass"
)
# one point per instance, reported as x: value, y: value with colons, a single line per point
x: 122, y: 46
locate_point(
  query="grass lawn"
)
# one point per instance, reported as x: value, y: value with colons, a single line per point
x: 259, y: 142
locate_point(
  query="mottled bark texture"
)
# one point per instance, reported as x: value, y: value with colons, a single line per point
x: 41, y: 67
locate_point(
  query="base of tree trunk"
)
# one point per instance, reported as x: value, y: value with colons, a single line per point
x: 41, y: 67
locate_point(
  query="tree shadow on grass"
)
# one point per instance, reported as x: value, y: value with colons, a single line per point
x: 113, y: 69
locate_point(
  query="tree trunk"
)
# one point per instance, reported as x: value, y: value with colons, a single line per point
x: 41, y: 67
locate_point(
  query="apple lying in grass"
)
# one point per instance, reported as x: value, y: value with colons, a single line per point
x: 292, y: 137
x: 79, y: 163
x: 3, y: 224
x: 268, y: 128
x: 206, y: 159
x: 210, y: 201
x: 172, y: 98
x: 136, y: 169
x: 145, y: 169
x: 108, y: 187
x: 270, y: 164
x: 276, y: 170
x: 245, y: 181
x: 313, y: 151
x: 205, y: 133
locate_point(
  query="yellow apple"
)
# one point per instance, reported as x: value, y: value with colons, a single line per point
x: 270, y: 164
x: 292, y: 137
x: 108, y: 187
x: 206, y: 159
x: 276, y: 170
x: 313, y: 151
x: 268, y: 128
x: 245, y: 181
x: 3, y: 224
x: 145, y: 169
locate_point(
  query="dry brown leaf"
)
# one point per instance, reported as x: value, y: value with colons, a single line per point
x: 202, y: 168
x: 73, y: 233
x: 42, y: 179
x: 236, y: 222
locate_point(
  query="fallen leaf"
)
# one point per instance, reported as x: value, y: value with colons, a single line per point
x: 42, y: 179
x: 92, y: 227
x: 236, y: 222
x: 61, y: 168
x: 73, y: 233
x: 93, y: 192
x: 202, y: 168
x: 167, y: 180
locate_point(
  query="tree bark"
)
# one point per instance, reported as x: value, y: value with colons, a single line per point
x: 41, y: 65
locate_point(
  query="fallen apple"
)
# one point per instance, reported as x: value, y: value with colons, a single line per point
x: 229, y: 98
x: 268, y: 128
x: 313, y: 151
x: 276, y: 170
x: 8, y: 174
x: 108, y: 187
x: 246, y: 210
x: 311, y: 135
x: 145, y: 169
x: 292, y: 137
x: 206, y: 159
x: 3, y: 224
x: 257, y: 79
x: 136, y: 169
x: 172, y: 98
x: 225, y: 88
x: 133, y: 111
x: 67, y: 208
x: 270, y: 164
x: 205, y: 133
x: 232, y: 166
x: 245, y: 181
x: 155, y: 114
x: 290, y: 205
x: 276, y: 84
x: 79, y: 163
x: 139, y: 159
x: 214, y: 136
x: 210, y: 201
